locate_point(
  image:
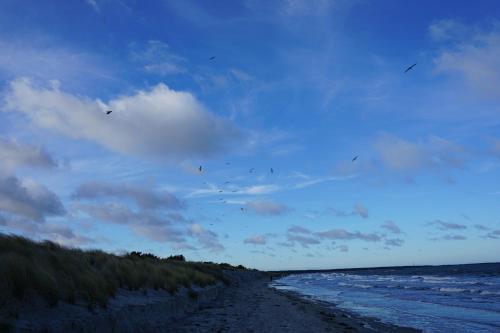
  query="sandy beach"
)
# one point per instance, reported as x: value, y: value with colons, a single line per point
x: 253, y: 306
x: 248, y: 304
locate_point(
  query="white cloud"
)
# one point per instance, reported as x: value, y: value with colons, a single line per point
x: 146, y: 198
x: 449, y: 237
x: 24, y: 202
x: 259, y: 189
x: 44, y: 61
x: 256, y: 240
x: 157, y: 58
x: 298, y: 229
x: 208, y: 239
x: 447, y: 29
x: 361, y: 210
x: 442, y: 225
x: 358, y: 209
x: 241, y: 75
x: 93, y: 4
x: 401, y: 155
x: 319, y: 180
x: 150, y: 217
x: 159, y: 122
x: 495, y: 234
x: 160, y: 233
x: 474, y: 57
x: 304, y: 241
x: 108, y: 212
x: 266, y: 208
x: 246, y: 190
x: 341, y: 234
x: 264, y: 139
x: 149, y: 224
x: 28, y: 199
x: 343, y: 248
x: 392, y: 227
x: 394, y: 242
x: 481, y: 227
x: 61, y: 234
x: 14, y: 154
x: 398, y: 154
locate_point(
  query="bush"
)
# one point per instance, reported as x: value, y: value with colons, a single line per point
x: 178, y: 257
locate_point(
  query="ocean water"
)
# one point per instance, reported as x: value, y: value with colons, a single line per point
x: 458, y: 298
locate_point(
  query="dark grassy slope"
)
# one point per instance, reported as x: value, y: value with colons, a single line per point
x: 57, y: 274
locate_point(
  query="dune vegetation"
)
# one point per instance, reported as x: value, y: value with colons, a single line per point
x: 64, y: 274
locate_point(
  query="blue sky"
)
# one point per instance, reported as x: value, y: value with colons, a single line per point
x: 301, y: 87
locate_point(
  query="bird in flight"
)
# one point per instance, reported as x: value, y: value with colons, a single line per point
x: 200, y: 168
x: 411, y: 67
x: 272, y: 170
x: 211, y: 58
x: 251, y: 170
x: 355, y: 158
x: 108, y: 112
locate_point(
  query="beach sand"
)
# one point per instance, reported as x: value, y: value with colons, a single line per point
x: 247, y: 305
x: 253, y: 306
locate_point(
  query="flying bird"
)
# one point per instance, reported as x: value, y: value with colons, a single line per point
x: 109, y: 111
x: 272, y: 171
x: 251, y: 170
x: 355, y: 158
x: 211, y: 58
x: 228, y: 163
x: 200, y: 168
x: 411, y: 67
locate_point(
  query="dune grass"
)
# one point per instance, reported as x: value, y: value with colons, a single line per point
x: 62, y: 274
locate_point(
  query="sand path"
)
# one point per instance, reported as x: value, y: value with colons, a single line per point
x: 252, y: 308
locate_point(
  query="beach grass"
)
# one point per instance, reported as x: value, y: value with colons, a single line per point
x: 58, y: 273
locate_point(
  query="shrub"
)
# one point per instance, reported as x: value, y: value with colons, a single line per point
x: 178, y: 257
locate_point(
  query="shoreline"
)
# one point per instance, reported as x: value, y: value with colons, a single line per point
x: 346, y: 321
x: 255, y: 306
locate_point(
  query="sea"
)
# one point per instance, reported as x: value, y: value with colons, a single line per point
x: 450, y: 298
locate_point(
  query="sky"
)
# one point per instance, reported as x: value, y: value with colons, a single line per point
x: 273, y: 100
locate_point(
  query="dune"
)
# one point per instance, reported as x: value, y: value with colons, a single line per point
x: 49, y: 288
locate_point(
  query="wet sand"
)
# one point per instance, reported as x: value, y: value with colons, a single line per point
x: 252, y: 306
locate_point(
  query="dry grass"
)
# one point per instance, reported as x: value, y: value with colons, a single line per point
x: 57, y: 273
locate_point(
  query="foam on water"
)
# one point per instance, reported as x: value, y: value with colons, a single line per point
x: 441, y: 302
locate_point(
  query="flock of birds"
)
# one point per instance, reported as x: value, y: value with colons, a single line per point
x: 271, y: 170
